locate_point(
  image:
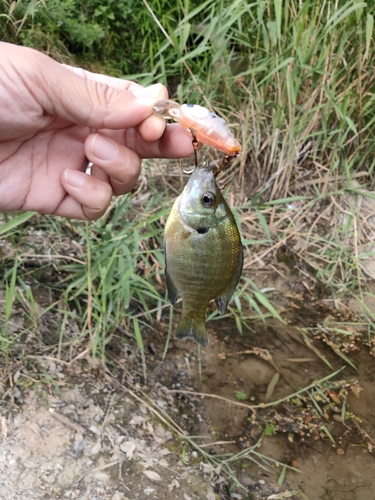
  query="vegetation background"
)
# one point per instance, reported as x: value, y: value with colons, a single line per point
x: 296, y: 81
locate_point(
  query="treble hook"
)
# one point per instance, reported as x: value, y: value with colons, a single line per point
x: 206, y: 164
x: 195, y: 144
x: 188, y: 172
x: 226, y: 160
x: 224, y: 163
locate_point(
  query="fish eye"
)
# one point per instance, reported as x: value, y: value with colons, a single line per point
x: 208, y: 199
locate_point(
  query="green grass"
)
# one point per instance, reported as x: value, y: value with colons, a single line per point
x: 296, y: 82
x: 111, y: 276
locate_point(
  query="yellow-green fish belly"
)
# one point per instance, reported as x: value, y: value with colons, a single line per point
x: 201, y: 265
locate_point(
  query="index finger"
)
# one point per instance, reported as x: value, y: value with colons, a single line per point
x: 158, y: 90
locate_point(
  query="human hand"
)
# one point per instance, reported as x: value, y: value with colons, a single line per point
x: 53, y: 116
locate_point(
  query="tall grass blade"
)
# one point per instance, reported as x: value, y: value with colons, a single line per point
x: 369, y: 31
x: 139, y: 339
x: 15, y: 222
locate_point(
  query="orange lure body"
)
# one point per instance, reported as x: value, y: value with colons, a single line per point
x: 209, y: 128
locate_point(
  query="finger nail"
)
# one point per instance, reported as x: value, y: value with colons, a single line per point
x: 103, y: 148
x: 75, y: 178
x: 153, y: 92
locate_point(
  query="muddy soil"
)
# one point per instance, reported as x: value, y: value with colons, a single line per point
x: 90, y: 432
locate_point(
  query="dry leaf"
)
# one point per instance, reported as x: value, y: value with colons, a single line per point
x: 271, y: 386
x: 154, y: 476
x: 128, y: 447
x: 164, y: 451
x: 96, y: 448
x: 149, y: 491
x: 162, y: 435
x: 149, y: 427
x: 334, y: 396
x: 356, y: 390
x: 174, y: 484
x: 4, y: 427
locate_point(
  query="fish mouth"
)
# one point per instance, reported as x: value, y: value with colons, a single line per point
x: 199, y: 229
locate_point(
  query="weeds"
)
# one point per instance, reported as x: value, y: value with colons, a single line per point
x: 296, y: 82
x: 9, y: 300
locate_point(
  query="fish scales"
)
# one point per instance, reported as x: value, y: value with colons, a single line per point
x: 197, y: 248
x: 203, y: 253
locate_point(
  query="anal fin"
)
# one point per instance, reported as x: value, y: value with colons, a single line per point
x: 172, y: 290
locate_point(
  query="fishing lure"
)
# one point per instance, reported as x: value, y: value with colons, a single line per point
x: 204, y: 126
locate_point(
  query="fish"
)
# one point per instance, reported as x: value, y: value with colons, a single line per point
x: 203, y: 253
x: 209, y: 128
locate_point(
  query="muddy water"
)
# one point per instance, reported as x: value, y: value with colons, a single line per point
x: 343, y: 471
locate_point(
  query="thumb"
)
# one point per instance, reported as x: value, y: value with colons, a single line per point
x: 85, y: 101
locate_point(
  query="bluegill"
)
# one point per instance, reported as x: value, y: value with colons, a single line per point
x: 203, y: 253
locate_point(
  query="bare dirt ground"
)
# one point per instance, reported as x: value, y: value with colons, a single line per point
x: 83, y: 441
x: 78, y: 430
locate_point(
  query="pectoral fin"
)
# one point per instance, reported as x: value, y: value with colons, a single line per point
x: 224, y: 299
x: 172, y: 290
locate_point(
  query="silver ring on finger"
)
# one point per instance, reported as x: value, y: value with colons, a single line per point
x: 87, y: 166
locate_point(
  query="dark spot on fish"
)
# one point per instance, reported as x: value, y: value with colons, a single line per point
x: 202, y: 230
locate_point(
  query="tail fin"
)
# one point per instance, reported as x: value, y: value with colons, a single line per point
x: 192, y: 327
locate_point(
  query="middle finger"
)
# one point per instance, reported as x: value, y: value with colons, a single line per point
x: 115, y: 160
